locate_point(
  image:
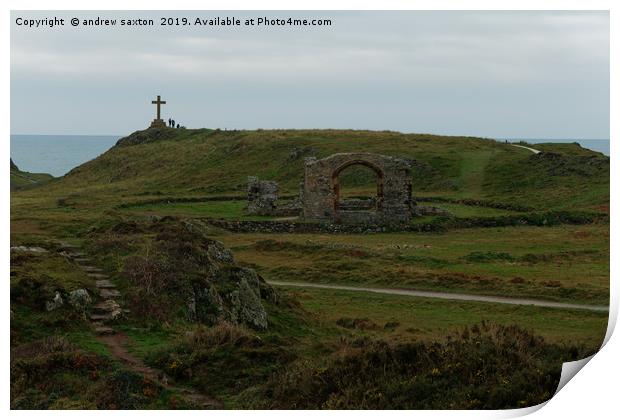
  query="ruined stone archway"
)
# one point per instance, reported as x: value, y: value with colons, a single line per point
x: 321, y: 189
x: 336, y: 183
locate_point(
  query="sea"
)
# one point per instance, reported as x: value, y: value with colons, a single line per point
x: 58, y: 154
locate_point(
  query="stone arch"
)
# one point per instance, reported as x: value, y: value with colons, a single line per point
x: 336, y: 181
x: 321, y: 189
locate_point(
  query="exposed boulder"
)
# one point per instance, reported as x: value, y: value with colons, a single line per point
x: 80, y: 299
x: 246, y: 307
x: 55, y: 303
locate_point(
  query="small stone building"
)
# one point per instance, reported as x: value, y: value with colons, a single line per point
x: 321, y: 190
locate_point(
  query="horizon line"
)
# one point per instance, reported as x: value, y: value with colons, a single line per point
x: 402, y: 132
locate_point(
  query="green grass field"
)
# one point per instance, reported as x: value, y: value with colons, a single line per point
x: 106, y: 203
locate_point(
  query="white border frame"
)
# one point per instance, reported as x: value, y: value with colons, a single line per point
x: 592, y: 393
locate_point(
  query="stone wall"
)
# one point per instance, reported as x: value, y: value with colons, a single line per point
x: 321, y: 190
x: 439, y: 224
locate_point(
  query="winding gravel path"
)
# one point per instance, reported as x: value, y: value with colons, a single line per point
x: 528, y: 148
x: 449, y: 296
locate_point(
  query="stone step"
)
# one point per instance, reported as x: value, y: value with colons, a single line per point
x: 104, y: 330
x: 101, y: 310
x: 100, y: 317
x: 104, y: 284
x: 107, y: 293
x: 67, y: 246
x: 108, y: 305
x: 98, y: 276
x: 91, y: 269
x: 76, y: 254
x: 107, y: 311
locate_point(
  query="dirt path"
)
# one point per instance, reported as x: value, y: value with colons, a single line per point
x: 108, y: 309
x: 117, y: 344
x: 445, y: 295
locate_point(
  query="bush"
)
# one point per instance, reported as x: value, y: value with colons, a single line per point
x: 220, y: 334
x: 356, y: 323
x: 202, y: 357
x: 38, y: 371
x: 486, y: 366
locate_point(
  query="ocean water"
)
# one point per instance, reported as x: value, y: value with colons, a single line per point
x: 56, y: 154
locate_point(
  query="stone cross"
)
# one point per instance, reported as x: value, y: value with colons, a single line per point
x: 159, y: 103
x: 158, y: 122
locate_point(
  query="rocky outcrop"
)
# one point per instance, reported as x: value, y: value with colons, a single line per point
x: 56, y: 302
x: 185, y: 263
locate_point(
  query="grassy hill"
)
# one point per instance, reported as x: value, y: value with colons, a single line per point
x: 318, y: 341
x: 21, y: 179
x: 185, y: 162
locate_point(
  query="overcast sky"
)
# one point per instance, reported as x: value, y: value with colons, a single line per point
x: 494, y: 74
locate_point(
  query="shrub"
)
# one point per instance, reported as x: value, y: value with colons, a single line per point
x: 486, y: 366
x: 220, y: 334
x: 356, y: 323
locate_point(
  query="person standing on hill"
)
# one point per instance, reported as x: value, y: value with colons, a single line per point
x: 169, y: 122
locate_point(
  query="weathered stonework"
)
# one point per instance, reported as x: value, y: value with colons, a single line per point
x: 263, y: 200
x: 262, y: 196
x: 321, y: 190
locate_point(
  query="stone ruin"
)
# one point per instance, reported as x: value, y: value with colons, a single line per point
x: 263, y: 200
x: 262, y: 196
x: 319, y: 199
x: 321, y: 190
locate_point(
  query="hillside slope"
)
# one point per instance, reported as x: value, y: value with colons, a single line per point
x: 185, y: 162
x: 21, y: 179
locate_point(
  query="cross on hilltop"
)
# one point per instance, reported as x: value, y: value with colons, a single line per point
x: 158, y: 122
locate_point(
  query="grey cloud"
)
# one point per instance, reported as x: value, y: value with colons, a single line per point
x: 531, y: 74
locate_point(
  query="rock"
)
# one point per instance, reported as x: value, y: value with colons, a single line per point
x: 80, y: 299
x: 246, y: 306
x: 219, y: 254
x: 109, y: 308
x: 33, y: 249
x: 55, y: 303
x: 262, y: 196
x: 109, y: 293
x: 208, y: 305
x: 104, y: 284
x: 187, y: 264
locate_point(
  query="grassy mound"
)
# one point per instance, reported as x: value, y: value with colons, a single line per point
x: 175, y: 162
x: 487, y: 366
x: 170, y: 269
x: 53, y: 373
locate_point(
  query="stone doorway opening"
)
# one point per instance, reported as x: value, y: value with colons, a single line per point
x: 350, y: 188
x: 321, y: 190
